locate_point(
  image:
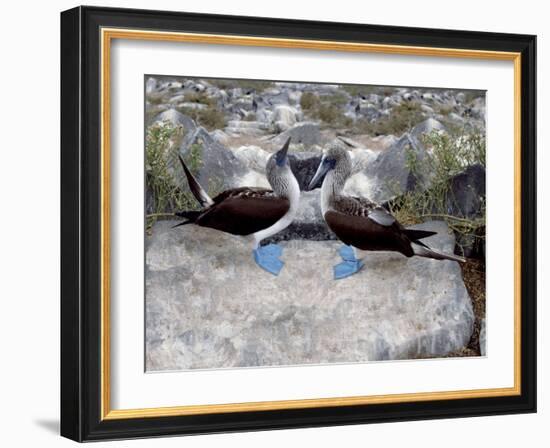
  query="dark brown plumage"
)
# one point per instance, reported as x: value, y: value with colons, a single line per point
x: 363, y: 224
x: 241, y: 211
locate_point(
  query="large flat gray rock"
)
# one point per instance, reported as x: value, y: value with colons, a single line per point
x: 214, y: 163
x: 209, y: 306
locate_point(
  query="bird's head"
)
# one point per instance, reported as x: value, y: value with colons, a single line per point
x: 278, y: 161
x: 278, y: 169
x: 335, y: 159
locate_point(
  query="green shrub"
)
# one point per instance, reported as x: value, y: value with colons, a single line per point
x: 211, y: 118
x: 328, y: 109
x: 194, y: 158
x: 450, y: 155
x: 251, y: 116
x: 245, y: 84
x: 162, y: 142
x: 444, y: 110
x: 161, y: 149
x: 337, y: 99
x: 200, y: 98
x: 357, y: 89
x: 471, y: 95
x: 309, y: 101
x: 402, y: 118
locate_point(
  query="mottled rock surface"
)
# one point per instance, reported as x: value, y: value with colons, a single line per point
x: 390, y: 175
x: 215, y: 164
x: 209, y: 306
x: 307, y: 134
x: 483, y: 338
x: 176, y: 118
x: 467, y: 192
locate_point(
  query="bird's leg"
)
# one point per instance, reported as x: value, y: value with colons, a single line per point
x: 350, y: 264
x: 267, y: 257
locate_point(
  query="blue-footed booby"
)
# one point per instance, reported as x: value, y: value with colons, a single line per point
x: 360, y: 223
x: 256, y: 213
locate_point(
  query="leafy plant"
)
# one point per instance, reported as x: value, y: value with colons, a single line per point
x: 337, y: 99
x: 200, y: 98
x: 161, y: 153
x: 194, y: 158
x: 449, y: 156
x: 309, y: 101
x: 246, y: 84
x: 402, y: 118
x: 328, y: 109
x: 211, y: 117
x: 160, y: 147
x: 357, y: 89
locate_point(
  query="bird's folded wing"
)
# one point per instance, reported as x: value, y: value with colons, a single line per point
x: 243, y: 192
x: 356, y: 206
x: 381, y: 216
x: 244, y: 213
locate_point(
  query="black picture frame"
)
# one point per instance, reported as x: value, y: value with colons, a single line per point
x: 81, y: 224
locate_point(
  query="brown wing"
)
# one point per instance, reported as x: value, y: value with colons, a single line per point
x: 244, y: 211
x: 241, y: 192
x: 357, y: 206
x: 353, y: 226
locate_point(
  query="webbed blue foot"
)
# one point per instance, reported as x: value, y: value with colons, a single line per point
x: 349, y: 266
x: 267, y: 257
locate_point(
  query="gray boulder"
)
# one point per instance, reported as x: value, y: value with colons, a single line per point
x: 176, y: 118
x: 284, y: 117
x: 456, y: 119
x: 427, y: 127
x: 254, y: 128
x: 151, y: 85
x: 467, y: 192
x: 253, y: 157
x: 466, y: 198
x: 390, y: 174
x: 398, y: 169
x: 477, y: 108
x: 306, y: 133
x: 209, y: 306
x: 214, y: 166
x: 367, y: 110
x: 192, y: 106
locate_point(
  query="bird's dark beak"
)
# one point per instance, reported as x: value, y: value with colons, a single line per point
x: 280, y: 156
x: 322, y: 170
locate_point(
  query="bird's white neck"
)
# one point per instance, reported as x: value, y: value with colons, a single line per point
x: 293, y: 195
x: 329, y: 188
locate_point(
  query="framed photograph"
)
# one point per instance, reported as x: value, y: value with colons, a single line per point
x: 271, y: 223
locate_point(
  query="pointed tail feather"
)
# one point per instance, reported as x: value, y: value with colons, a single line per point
x: 183, y: 223
x: 426, y: 252
x: 415, y: 235
x: 190, y: 215
x: 195, y: 187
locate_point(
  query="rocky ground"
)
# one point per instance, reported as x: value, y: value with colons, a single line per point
x: 226, y: 130
x: 208, y: 305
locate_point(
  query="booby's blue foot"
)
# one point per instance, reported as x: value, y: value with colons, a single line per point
x: 267, y: 257
x: 349, y: 266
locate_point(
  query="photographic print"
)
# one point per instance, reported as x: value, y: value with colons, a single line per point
x: 233, y: 219
x: 301, y: 223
